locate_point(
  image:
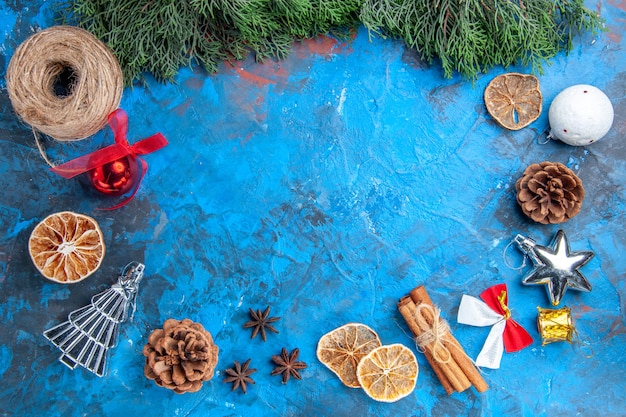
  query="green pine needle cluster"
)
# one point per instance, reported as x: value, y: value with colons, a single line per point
x: 466, y: 36
x: 160, y: 36
x: 472, y: 36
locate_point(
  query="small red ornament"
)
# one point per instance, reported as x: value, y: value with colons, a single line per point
x: 116, y: 177
x: 114, y: 170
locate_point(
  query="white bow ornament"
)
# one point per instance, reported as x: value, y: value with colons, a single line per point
x: 505, y: 333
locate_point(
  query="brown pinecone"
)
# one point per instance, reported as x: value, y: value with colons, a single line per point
x: 180, y: 356
x: 549, y: 193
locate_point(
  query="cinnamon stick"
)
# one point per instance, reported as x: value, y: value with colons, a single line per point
x: 450, y: 369
x: 458, y: 355
x: 406, y: 308
x: 419, y: 295
x: 428, y: 317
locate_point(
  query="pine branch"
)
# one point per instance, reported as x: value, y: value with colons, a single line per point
x: 465, y: 36
x: 472, y: 36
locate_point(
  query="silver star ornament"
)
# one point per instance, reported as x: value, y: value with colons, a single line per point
x: 555, y: 266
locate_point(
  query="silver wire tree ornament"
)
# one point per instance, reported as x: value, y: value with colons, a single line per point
x: 91, y: 331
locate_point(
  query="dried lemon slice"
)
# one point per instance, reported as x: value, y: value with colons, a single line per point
x: 514, y: 100
x: 66, y: 247
x: 388, y: 373
x: 342, y: 349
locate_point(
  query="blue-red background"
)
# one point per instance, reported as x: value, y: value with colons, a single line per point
x: 327, y: 186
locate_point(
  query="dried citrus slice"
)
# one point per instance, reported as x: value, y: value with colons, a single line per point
x: 342, y: 349
x: 388, y: 373
x: 514, y: 100
x: 66, y: 247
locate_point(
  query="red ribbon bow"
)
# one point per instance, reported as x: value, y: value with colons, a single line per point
x: 515, y: 337
x: 118, y: 121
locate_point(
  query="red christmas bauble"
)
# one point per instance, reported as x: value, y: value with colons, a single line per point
x: 117, y: 177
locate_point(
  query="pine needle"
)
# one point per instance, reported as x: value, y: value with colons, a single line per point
x: 472, y: 36
x: 465, y: 36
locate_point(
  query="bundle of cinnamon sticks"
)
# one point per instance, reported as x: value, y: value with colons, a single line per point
x: 453, y: 367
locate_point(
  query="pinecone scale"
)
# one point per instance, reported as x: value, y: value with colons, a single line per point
x: 180, y: 356
x: 549, y: 193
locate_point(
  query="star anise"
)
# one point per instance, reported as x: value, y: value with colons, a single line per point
x: 260, y: 322
x: 239, y: 375
x: 288, y: 365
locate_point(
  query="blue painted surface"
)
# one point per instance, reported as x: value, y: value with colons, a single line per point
x: 327, y: 185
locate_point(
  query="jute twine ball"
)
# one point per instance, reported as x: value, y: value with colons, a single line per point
x: 64, y: 82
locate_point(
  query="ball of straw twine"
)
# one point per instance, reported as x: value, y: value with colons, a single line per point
x: 90, y: 75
